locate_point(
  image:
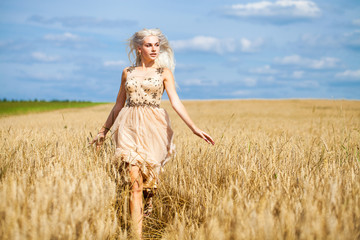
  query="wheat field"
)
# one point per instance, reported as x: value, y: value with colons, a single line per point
x: 280, y: 169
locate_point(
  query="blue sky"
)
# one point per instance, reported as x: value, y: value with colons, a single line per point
x: 224, y: 49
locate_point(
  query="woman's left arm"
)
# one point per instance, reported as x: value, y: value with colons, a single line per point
x: 179, y: 107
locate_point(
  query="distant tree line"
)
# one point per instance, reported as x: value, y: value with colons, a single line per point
x: 41, y: 100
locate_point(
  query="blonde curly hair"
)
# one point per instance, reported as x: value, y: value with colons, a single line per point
x: 166, y: 55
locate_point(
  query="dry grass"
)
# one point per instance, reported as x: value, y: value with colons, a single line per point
x: 279, y: 170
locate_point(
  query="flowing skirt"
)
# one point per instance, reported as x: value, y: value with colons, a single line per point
x: 143, y: 137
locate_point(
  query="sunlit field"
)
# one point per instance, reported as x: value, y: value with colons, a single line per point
x: 279, y: 170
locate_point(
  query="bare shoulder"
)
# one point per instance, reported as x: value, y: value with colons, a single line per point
x: 167, y: 73
x: 127, y: 70
x: 166, y: 70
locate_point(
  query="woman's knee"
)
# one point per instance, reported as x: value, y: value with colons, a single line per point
x: 136, y: 179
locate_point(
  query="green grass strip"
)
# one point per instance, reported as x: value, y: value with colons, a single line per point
x: 23, y: 107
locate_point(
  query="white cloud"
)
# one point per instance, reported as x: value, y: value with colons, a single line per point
x: 353, y: 33
x: 83, y: 21
x: 62, y: 37
x: 293, y: 59
x: 119, y: 63
x: 269, y: 79
x: 321, y: 40
x: 356, y: 22
x: 249, y: 81
x: 353, y: 74
x: 216, y: 45
x: 241, y: 93
x: 250, y: 46
x: 324, y: 62
x: 279, y: 10
x: 33, y: 73
x: 181, y: 67
x: 70, y: 40
x: 42, y: 57
x: 352, y: 39
x: 264, y: 70
x: 46, y: 76
x: 297, y: 74
x: 310, y: 39
x: 349, y: 39
x: 307, y: 84
x: 197, y: 82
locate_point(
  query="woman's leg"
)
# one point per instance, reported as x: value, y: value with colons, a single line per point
x: 136, y: 200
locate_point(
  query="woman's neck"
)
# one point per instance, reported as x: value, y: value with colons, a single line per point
x: 149, y: 64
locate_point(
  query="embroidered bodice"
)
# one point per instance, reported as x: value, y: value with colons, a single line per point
x: 144, y: 88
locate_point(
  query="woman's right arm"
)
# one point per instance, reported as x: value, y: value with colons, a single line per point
x: 119, y: 104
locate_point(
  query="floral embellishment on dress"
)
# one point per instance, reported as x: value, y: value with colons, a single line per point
x: 142, y: 104
x: 130, y: 69
x: 144, y: 89
x: 160, y: 70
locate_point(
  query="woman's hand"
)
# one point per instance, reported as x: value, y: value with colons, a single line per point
x: 98, y: 140
x: 203, y: 135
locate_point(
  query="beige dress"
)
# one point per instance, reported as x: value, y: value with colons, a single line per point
x: 142, y: 131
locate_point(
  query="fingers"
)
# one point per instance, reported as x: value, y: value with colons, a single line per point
x: 210, y: 139
x: 207, y: 138
x: 95, y: 140
x: 98, y: 143
x: 98, y: 140
x: 98, y: 147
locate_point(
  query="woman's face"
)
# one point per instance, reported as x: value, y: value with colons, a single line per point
x: 150, y: 48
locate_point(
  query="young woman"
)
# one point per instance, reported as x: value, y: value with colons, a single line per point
x: 140, y: 128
